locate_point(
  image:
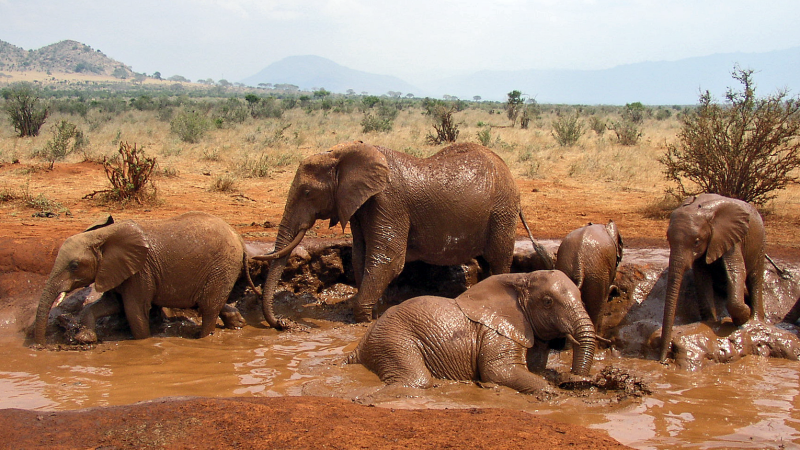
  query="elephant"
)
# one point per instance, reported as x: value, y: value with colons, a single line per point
x: 590, y: 256
x: 722, y: 239
x: 192, y: 260
x: 447, y: 209
x: 489, y: 333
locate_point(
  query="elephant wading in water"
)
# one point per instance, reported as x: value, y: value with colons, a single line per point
x: 722, y: 240
x: 590, y: 256
x: 456, y: 205
x: 485, y: 334
x: 188, y: 261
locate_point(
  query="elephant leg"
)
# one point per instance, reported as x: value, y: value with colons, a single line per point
x: 358, y: 252
x: 755, y: 287
x: 704, y: 288
x: 499, y: 250
x: 378, y: 273
x: 736, y: 276
x: 537, y: 356
x: 231, y: 317
x: 108, y: 304
x: 138, y: 315
x: 501, y: 361
x: 209, y: 317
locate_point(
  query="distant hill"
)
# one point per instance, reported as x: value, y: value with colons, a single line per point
x: 65, y: 57
x: 655, y: 83
x: 307, y: 72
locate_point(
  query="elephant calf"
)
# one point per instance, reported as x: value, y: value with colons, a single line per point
x: 188, y: 261
x: 485, y: 334
x: 590, y: 256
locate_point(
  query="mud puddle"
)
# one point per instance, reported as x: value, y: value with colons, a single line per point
x: 752, y: 402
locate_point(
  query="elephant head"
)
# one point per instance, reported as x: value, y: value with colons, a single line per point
x: 330, y: 185
x: 106, y: 254
x: 543, y: 305
x: 706, y: 227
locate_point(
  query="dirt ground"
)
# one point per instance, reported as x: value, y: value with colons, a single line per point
x: 29, y: 242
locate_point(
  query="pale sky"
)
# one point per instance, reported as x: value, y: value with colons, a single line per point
x: 411, y: 39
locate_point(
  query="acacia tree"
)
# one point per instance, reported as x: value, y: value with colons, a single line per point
x: 514, y: 106
x: 745, y: 149
x: 25, y: 109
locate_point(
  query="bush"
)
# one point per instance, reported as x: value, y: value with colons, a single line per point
x: 25, y: 110
x: 485, y: 136
x: 190, y: 126
x: 597, y: 125
x: 514, y: 106
x: 382, y: 121
x: 67, y: 137
x: 627, y: 131
x: 129, y: 174
x: 443, y: 124
x: 745, y: 149
x: 567, y: 129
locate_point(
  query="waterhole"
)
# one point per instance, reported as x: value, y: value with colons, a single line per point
x: 749, y: 402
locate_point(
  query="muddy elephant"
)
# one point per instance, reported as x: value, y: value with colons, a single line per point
x: 722, y: 240
x: 487, y: 334
x: 456, y: 205
x: 590, y: 256
x: 192, y: 260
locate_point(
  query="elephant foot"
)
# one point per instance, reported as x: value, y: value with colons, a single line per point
x: 739, y: 314
x: 571, y: 381
x: 284, y: 324
x: 86, y: 336
x: 363, y: 314
x: 232, y: 318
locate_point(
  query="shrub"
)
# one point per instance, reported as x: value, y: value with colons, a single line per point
x: 627, y: 131
x: 190, y: 126
x: 265, y: 164
x: 485, y: 136
x: 443, y: 124
x: 25, y: 109
x: 67, y: 137
x: 223, y: 183
x: 514, y: 106
x: 597, y: 125
x: 129, y: 174
x: 745, y: 149
x: 634, y: 112
x: 529, y: 112
x: 567, y: 129
x: 382, y: 121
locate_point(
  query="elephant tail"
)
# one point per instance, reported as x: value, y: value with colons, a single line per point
x: 246, y: 266
x: 545, y: 256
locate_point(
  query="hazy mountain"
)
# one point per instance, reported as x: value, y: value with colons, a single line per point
x: 655, y: 83
x: 64, y: 56
x: 309, y: 72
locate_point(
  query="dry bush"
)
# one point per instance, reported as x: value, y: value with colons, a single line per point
x: 129, y: 175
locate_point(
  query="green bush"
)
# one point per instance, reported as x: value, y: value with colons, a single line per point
x: 190, y: 126
x: 485, y: 136
x: 597, y: 125
x: 382, y: 120
x: 627, y: 131
x: 67, y: 137
x: 567, y: 129
x: 745, y: 149
x: 25, y: 109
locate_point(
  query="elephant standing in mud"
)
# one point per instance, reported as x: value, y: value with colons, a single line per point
x: 486, y: 334
x: 722, y: 240
x: 192, y: 260
x: 456, y: 205
x: 590, y: 256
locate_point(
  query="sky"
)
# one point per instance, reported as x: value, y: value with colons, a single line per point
x: 416, y: 40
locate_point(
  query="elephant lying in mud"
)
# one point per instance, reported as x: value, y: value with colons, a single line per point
x: 188, y: 261
x: 590, y: 256
x: 485, y: 334
x: 456, y: 205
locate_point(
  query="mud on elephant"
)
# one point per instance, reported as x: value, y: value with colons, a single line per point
x: 456, y: 205
x: 188, y: 261
x: 722, y: 240
x: 490, y: 333
x: 590, y: 256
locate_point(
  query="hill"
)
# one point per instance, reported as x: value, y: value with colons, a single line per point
x: 308, y: 72
x: 64, y: 57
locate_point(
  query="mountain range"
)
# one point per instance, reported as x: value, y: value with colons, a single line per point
x: 655, y: 83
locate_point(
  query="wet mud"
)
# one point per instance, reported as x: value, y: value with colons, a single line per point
x: 727, y: 386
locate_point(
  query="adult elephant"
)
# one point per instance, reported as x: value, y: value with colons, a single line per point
x: 192, y: 260
x: 485, y: 334
x: 456, y: 205
x: 590, y: 256
x: 722, y: 240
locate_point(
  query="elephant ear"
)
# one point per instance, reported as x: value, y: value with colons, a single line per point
x: 729, y: 225
x: 613, y: 231
x: 494, y: 303
x: 122, y: 254
x: 100, y: 223
x: 361, y: 172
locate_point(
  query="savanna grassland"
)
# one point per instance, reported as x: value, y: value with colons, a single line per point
x: 240, y: 157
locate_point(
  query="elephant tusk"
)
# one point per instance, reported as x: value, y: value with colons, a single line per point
x: 603, y: 340
x: 572, y: 339
x: 59, y: 299
x: 284, y: 251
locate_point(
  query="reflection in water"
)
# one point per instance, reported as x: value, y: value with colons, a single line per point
x: 752, y: 403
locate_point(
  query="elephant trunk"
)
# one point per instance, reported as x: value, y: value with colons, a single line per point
x: 285, y: 240
x: 677, y: 268
x: 50, y: 297
x: 583, y: 354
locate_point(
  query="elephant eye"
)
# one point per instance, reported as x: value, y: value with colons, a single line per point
x: 73, y: 266
x: 547, y: 302
x: 307, y: 192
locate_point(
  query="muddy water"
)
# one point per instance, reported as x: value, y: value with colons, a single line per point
x: 753, y: 402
